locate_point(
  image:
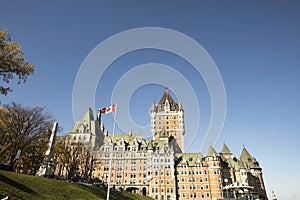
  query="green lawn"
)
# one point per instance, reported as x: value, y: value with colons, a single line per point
x: 31, y: 187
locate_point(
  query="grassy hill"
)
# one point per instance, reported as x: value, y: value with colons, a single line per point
x: 31, y: 187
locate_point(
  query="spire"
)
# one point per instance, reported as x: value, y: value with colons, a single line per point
x: 167, y: 98
x: 88, y: 116
x: 274, y: 196
x: 211, y: 151
x: 179, y: 105
x: 153, y: 106
x: 245, y: 155
x: 225, y: 149
x: 99, y: 115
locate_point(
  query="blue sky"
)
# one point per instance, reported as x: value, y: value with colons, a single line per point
x: 255, y: 45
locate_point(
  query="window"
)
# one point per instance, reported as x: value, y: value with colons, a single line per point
x: 132, y: 175
x: 207, y: 195
x: 106, y: 168
x: 133, y: 168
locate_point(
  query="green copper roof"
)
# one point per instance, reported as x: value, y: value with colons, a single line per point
x: 245, y: 155
x: 248, y: 160
x: 127, y: 137
x: 225, y: 149
x: 191, y: 158
x: 211, y: 151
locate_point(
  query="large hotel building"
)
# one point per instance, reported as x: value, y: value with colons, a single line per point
x: 159, y: 167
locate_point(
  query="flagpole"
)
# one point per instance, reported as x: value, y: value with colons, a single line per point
x: 112, y: 152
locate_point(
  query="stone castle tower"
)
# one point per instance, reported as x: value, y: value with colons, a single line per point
x: 167, y: 121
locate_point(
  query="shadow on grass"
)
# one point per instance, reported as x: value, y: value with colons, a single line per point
x: 114, y: 195
x: 16, y: 185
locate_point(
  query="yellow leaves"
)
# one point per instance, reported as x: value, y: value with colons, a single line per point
x: 12, y: 62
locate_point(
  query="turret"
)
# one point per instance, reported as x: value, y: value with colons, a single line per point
x: 153, y: 106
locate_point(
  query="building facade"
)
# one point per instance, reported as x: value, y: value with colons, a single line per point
x: 168, y: 115
x: 159, y: 168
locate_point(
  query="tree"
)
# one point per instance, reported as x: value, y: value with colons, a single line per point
x: 22, y: 128
x: 32, y: 158
x: 12, y: 62
x: 79, y: 164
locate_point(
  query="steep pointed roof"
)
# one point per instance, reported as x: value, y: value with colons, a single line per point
x: 168, y: 98
x: 180, y: 105
x: 153, y: 106
x: 88, y: 116
x: 86, y: 119
x: 241, y: 164
x: 225, y: 149
x: 248, y: 160
x: 211, y: 151
x: 245, y: 155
